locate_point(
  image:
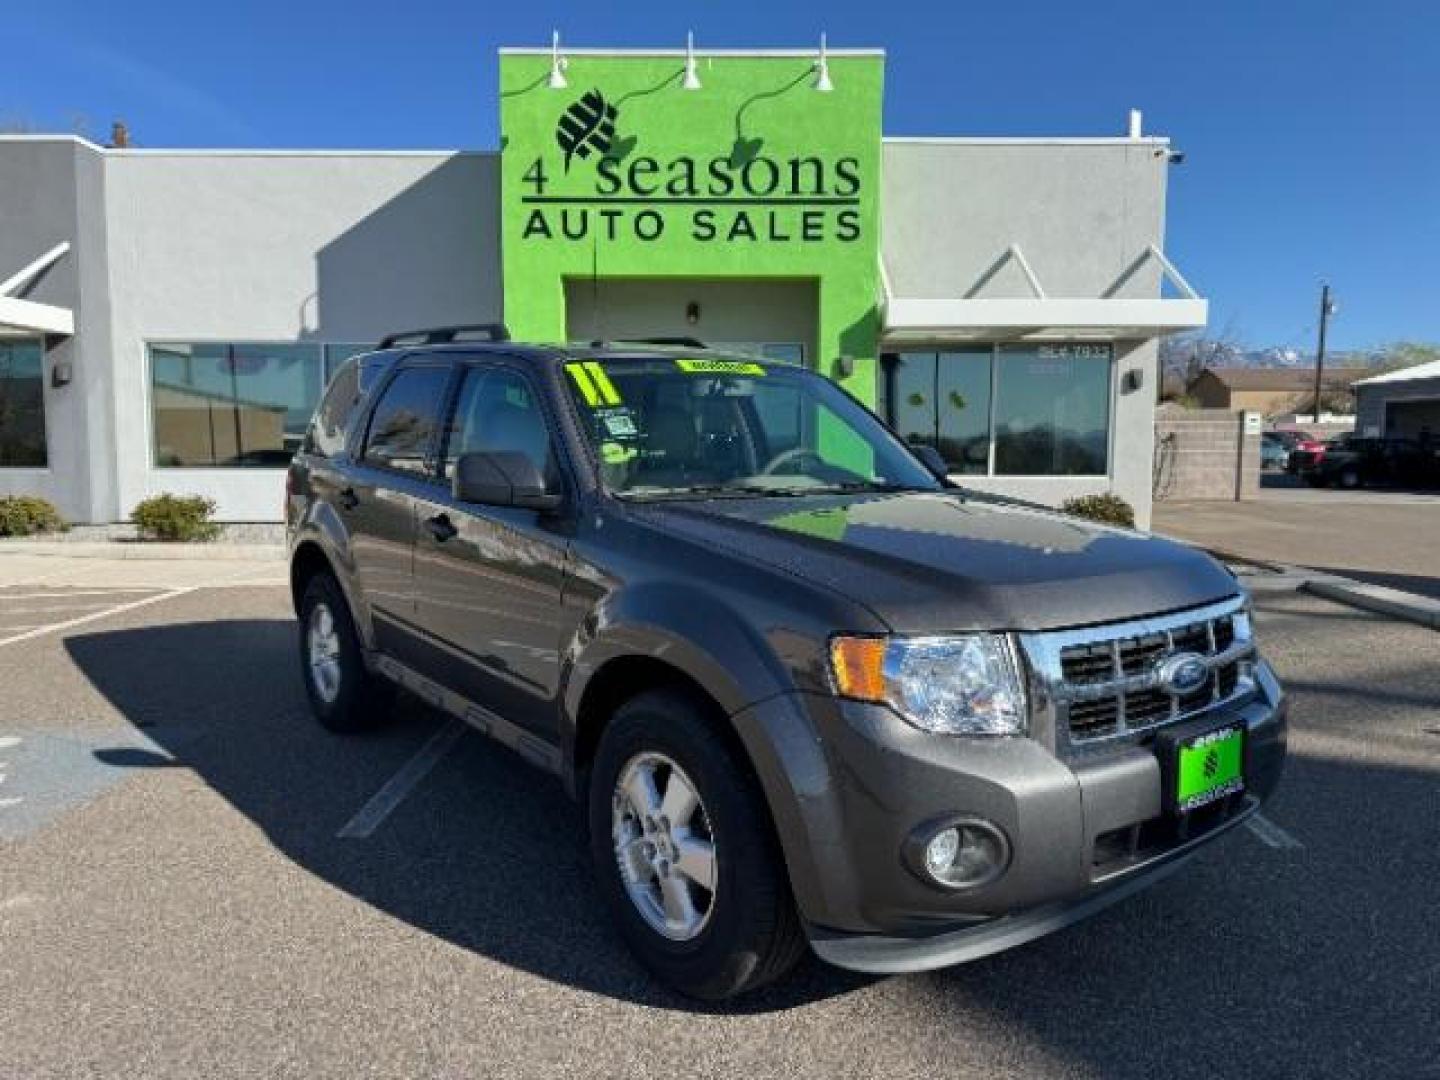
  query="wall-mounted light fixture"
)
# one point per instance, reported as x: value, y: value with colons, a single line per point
x: 692, y: 312
x: 822, y: 70
x: 692, y: 70
x: 558, y: 63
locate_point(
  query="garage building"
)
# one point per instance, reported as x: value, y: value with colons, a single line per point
x: 1400, y: 403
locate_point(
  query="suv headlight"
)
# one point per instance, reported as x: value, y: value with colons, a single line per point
x: 966, y: 685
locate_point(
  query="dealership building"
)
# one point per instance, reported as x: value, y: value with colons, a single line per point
x: 168, y: 318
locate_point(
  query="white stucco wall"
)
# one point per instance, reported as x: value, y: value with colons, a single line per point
x: 1082, y: 212
x: 282, y: 247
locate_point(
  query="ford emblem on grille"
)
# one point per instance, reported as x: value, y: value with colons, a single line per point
x: 1183, y: 673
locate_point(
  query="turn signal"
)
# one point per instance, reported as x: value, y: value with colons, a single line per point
x: 859, y: 667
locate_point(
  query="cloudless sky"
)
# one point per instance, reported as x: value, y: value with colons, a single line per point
x: 1311, y: 130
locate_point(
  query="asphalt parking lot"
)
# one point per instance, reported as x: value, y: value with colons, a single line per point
x: 195, y: 880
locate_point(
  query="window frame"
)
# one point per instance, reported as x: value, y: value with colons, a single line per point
x: 539, y: 384
x: 148, y: 347
x: 482, y: 368
x: 45, y: 466
x: 426, y: 474
x: 993, y: 349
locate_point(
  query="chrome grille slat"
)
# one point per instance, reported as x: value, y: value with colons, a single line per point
x: 1090, y: 710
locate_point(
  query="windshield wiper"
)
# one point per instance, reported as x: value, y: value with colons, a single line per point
x: 873, y: 485
x: 711, y: 491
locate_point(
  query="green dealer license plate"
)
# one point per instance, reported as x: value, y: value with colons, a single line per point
x: 1209, y: 766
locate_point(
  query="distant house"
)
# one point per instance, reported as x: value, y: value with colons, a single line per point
x: 1269, y: 391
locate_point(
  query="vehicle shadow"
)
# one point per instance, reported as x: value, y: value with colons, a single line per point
x: 486, y: 853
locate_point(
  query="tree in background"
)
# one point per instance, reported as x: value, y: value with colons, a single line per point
x: 1399, y: 355
x: 1184, y: 356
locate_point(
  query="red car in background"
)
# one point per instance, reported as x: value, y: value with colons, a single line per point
x: 1303, y: 446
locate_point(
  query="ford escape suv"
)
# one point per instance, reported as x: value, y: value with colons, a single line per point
x: 805, y: 691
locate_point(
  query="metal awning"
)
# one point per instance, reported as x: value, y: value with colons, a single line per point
x: 1039, y: 317
x: 28, y: 317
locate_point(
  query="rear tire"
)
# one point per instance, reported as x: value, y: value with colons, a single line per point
x: 344, y: 695
x: 743, y: 931
x: 1350, y: 478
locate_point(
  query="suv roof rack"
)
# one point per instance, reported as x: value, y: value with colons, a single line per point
x: 444, y: 335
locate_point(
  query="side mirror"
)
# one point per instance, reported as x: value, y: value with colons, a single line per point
x: 502, y: 479
x: 931, y: 459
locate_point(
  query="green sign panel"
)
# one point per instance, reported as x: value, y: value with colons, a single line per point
x: 756, y: 175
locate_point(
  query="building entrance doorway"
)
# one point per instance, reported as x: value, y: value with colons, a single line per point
x: 775, y: 319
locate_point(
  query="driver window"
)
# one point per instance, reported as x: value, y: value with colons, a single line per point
x: 497, y: 411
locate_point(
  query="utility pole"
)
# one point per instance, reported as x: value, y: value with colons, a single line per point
x: 1327, y: 308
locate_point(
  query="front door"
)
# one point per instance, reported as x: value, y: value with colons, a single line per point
x: 488, y: 579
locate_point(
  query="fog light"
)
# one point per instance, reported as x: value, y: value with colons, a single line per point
x: 962, y: 854
x: 940, y: 852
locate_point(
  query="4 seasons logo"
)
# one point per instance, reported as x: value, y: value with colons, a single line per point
x: 740, y: 195
x: 585, y: 127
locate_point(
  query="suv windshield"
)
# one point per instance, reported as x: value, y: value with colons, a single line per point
x: 674, y: 427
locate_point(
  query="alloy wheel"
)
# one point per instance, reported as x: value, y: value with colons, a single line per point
x: 323, y: 642
x: 664, y: 846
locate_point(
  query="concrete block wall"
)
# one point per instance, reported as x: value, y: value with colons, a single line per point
x: 1205, y: 454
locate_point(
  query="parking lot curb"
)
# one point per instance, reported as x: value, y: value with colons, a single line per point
x: 146, y: 550
x: 1377, y: 598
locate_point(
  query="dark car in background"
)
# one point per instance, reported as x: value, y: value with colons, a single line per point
x: 1351, y: 461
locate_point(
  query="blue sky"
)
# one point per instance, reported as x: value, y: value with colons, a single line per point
x: 1311, y: 130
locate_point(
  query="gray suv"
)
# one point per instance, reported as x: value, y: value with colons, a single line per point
x: 805, y: 690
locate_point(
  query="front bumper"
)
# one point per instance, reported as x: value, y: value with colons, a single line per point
x: 848, y: 783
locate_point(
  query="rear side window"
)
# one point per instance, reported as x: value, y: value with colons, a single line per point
x: 332, y: 419
x: 406, y: 419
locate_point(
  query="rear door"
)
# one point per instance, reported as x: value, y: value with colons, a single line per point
x: 488, y: 579
x: 394, y: 468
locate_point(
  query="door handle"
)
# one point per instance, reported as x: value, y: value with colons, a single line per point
x: 441, y: 527
x: 348, y: 499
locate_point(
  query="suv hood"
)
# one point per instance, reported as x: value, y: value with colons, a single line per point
x: 938, y: 562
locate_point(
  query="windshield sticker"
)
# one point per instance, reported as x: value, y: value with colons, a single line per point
x: 595, y: 386
x: 719, y: 367
x: 619, y: 423
x: 613, y: 453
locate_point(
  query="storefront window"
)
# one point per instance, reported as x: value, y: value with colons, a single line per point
x: 943, y: 400
x: 232, y: 405
x: 22, y: 404
x: 1052, y: 410
x: 1050, y: 407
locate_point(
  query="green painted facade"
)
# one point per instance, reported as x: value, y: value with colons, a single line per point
x: 754, y: 176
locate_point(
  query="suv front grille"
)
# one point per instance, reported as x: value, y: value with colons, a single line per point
x: 1105, y: 679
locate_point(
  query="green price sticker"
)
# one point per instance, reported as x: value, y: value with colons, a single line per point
x: 719, y: 367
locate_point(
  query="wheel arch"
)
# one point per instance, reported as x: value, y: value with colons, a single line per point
x: 312, y: 555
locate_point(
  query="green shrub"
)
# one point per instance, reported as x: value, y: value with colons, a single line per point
x: 1109, y: 509
x: 26, y: 515
x: 176, y: 517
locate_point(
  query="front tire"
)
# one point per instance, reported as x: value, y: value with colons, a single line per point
x: 684, y: 852
x: 1350, y: 478
x: 344, y: 695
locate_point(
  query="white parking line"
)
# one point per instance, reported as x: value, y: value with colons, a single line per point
x: 1272, y: 835
x: 69, y: 593
x: 53, y: 609
x: 378, y: 808
x: 81, y: 620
